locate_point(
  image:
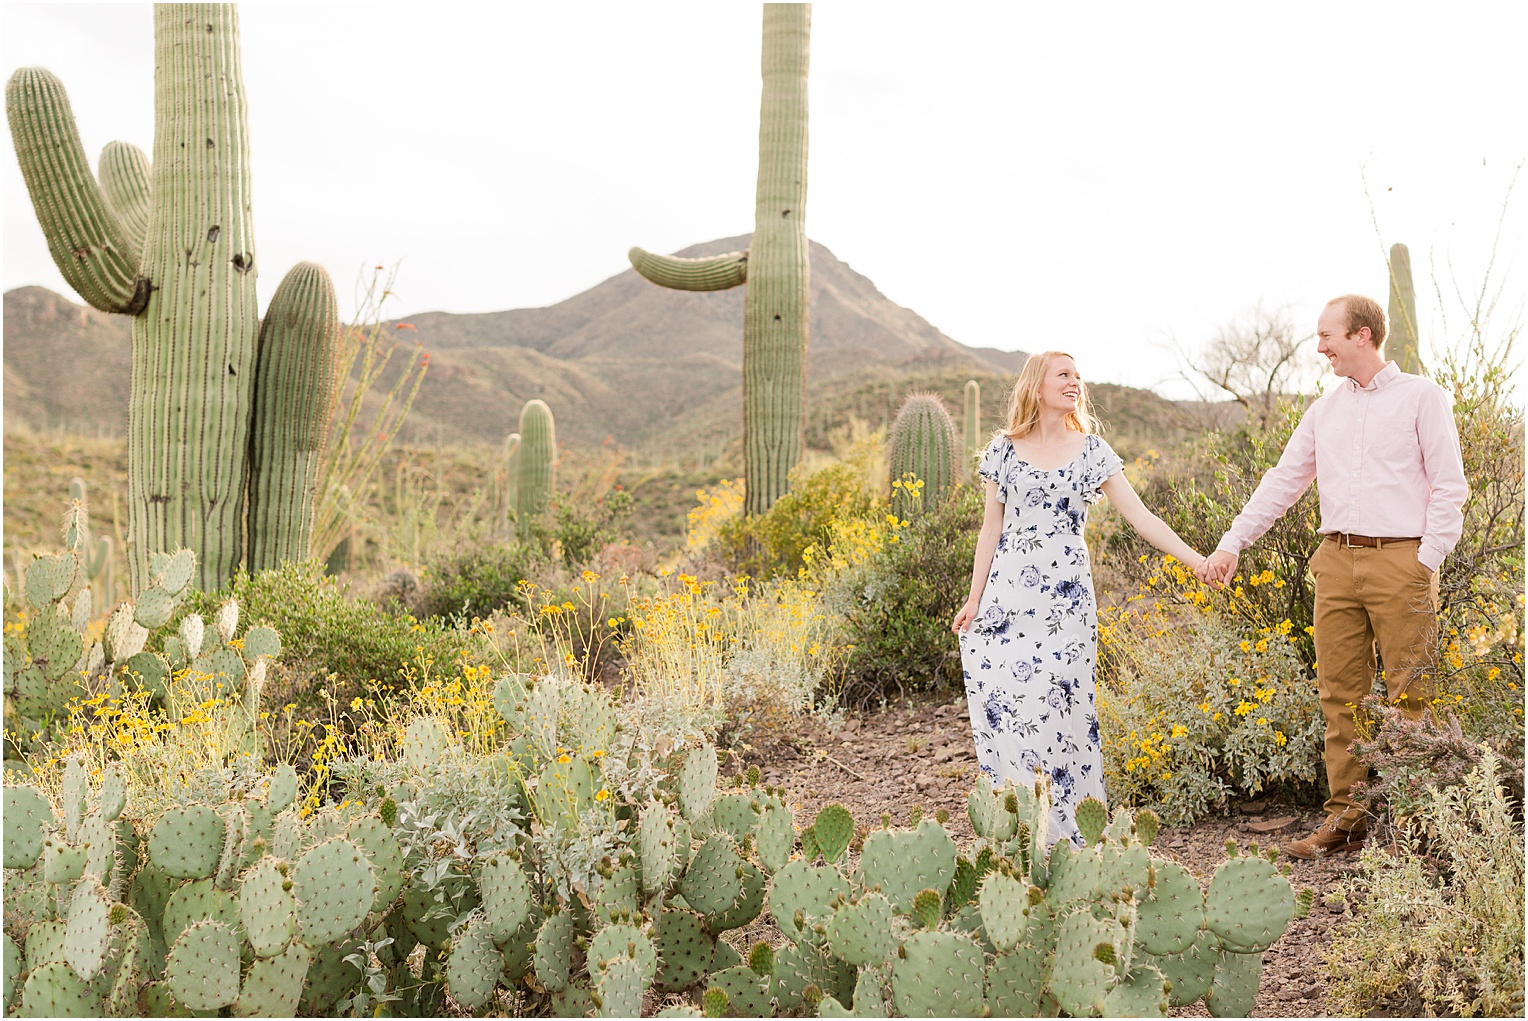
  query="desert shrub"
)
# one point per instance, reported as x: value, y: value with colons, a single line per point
x: 775, y: 543
x: 1440, y: 933
x: 477, y: 579
x: 1194, y: 705
x: 893, y: 608
x: 1199, y: 488
x: 324, y: 630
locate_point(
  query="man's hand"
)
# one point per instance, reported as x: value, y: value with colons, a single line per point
x: 1217, y: 569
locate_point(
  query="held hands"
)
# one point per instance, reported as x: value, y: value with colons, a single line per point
x: 1217, y: 568
x: 964, y: 618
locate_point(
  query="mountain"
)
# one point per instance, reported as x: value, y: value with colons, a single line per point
x: 625, y: 359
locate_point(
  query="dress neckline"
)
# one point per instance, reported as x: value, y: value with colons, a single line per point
x: 1086, y: 442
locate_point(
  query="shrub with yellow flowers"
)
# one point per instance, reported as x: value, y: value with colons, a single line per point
x: 1196, y: 706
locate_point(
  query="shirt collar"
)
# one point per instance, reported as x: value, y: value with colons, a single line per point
x: 1383, y: 378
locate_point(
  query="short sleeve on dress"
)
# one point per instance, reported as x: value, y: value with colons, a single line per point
x: 993, y: 463
x: 1101, y: 464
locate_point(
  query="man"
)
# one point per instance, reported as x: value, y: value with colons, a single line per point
x: 1384, y: 451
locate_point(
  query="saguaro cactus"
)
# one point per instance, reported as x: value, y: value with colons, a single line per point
x: 973, y: 423
x: 923, y: 446
x: 536, y: 460
x: 775, y: 267
x: 173, y: 246
x: 1401, y: 346
x: 297, y: 377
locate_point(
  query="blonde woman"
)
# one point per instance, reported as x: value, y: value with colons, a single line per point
x: 1029, y: 629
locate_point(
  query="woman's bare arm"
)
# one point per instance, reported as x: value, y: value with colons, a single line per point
x: 986, y: 549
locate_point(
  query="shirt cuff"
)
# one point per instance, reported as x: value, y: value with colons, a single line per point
x: 1431, y: 558
x: 1230, y: 545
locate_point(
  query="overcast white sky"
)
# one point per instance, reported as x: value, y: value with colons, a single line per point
x: 1100, y: 177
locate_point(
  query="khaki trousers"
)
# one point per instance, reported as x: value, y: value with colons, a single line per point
x: 1364, y: 596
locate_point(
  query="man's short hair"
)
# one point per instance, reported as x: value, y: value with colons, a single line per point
x: 1362, y: 311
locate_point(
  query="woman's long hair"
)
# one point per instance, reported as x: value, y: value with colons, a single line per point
x: 1024, y: 402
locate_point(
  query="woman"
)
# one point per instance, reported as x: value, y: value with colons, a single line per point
x: 1029, y: 629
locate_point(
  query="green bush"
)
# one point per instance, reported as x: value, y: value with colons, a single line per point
x: 1194, y: 706
x: 325, y: 631
x: 1439, y: 933
x: 894, y: 609
x: 774, y: 543
x: 476, y: 580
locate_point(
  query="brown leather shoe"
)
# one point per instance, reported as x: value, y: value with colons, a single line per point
x: 1327, y: 840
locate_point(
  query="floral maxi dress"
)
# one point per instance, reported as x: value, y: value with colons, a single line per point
x: 1029, y: 655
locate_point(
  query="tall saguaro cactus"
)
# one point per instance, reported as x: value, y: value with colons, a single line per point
x: 1402, y: 345
x: 172, y: 244
x: 776, y: 267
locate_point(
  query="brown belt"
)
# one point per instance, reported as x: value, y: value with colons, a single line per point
x: 1368, y: 541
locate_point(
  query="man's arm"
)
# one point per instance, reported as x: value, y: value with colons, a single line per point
x: 1277, y: 492
x: 1443, y: 465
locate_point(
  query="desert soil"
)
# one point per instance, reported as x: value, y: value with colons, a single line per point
x: 921, y: 754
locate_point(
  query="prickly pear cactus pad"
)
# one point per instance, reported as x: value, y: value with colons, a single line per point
x: 775, y: 833
x: 1249, y: 905
x: 554, y: 951
x: 1189, y: 974
x: 274, y: 985
x: 902, y: 862
x: 747, y: 992
x: 268, y: 909
x: 1234, y: 990
x: 506, y: 896
x: 938, y: 974
x: 623, y: 941
x: 657, y: 843
x: 802, y: 895
x: 335, y: 886
x: 1169, y: 919
x: 87, y: 930
x: 1084, y: 966
x: 54, y: 990
x: 863, y: 932
x: 683, y: 946
x: 472, y: 971
x: 713, y: 882
x: 833, y: 829
x: 697, y: 781
x: 1142, y: 993
x: 424, y: 742
x: 28, y: 818
x: 194, y: 902
x: 203, y: 967
x: 1016, y: 982
x: 186, y: 842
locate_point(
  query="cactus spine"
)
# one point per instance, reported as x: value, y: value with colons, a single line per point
x: 923, y: 449
x: 296, y: 383
x: 536, y: 460
x: 776, y: 267
x: 172, y: 245
x: 973, y: 423
x: 1402, y: 346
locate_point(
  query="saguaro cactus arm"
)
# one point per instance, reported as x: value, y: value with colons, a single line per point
x: 713, y: 273
x: 295, y: 384
x: 85, y: 236
x: 125, y: 178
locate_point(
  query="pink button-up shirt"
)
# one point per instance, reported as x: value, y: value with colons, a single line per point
x: 1385, y: 458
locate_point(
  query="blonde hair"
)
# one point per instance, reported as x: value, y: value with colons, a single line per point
x: 1024, y: 401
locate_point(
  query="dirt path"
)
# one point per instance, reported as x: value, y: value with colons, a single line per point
x: 893, y: 760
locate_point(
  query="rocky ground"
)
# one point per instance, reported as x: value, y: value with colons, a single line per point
x: 921, y: 754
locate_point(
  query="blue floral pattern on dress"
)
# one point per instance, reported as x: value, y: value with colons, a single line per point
x: 1029, y: 655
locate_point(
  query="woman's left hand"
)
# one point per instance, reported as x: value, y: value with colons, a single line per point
x: 964, y: 618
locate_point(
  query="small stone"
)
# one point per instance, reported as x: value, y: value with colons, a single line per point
x: 1283, y: 822
x: 1254, y: 807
